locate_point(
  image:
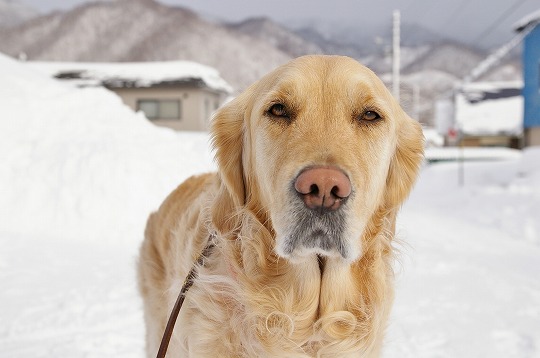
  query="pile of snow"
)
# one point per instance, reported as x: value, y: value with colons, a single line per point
x: 80, y: 172
x: 78, y: 163
x: 138, y: 74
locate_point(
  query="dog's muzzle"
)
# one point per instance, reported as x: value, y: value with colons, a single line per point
x: 317, y: 218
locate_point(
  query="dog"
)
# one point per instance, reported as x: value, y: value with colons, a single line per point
x: 314, y: 161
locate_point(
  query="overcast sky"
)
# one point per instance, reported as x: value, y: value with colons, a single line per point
x: 488, y: 21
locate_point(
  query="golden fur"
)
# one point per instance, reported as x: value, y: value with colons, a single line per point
x: 249, y: 300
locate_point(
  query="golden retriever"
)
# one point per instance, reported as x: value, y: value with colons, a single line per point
x: 314, y: 161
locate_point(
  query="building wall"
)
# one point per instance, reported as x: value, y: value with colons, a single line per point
x: 491, y: 141
x: 531, y: 77
x: 196, y: 105
x: 532, y: 136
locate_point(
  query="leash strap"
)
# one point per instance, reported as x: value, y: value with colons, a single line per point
x: 188, y: 282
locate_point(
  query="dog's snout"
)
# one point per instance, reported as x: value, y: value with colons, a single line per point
x: 323, y: 188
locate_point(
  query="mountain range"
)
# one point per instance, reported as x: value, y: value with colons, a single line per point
x: 145, y: 30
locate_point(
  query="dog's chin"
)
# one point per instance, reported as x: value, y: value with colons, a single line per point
x: 302, y: 254
x: 329, y: 237
x: 303, y: 234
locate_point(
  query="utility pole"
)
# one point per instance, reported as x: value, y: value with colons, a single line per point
x: 396, y: 54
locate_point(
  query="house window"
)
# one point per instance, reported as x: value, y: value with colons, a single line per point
x: 160, y: 109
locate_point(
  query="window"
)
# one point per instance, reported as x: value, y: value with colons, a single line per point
x: 169, y: 109
x: 160, y: 109
x: 150, y: 108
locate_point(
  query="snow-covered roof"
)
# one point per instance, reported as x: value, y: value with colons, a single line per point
x: 490, y: 108
x: 135, y: 74
x: 532, y: 18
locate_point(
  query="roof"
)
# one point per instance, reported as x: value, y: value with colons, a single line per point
x: 490, y: 108
x: 532, y: 18
x: 136, y: 74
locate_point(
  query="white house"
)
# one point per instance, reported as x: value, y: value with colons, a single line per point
x: 178, y: 94
x: 490, y: 113
x: 483, y: 114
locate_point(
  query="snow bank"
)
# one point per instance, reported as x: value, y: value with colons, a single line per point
x: 78, y: 163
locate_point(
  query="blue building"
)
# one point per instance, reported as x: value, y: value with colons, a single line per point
x: 531, y: 77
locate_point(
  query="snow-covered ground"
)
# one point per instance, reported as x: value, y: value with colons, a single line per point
x: 79, y: 173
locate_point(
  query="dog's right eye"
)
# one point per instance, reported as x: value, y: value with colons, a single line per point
x: 278, y: 110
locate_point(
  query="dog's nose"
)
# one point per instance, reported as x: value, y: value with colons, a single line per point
x: 323, y: 188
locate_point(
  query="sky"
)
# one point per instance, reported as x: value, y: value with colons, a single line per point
x: 473, y: 21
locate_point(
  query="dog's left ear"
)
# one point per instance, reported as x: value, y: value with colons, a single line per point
x: 406, y: 162
x: 228, y: 140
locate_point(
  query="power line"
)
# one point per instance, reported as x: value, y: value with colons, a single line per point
x: 509, y: 11
x: 463, y: 4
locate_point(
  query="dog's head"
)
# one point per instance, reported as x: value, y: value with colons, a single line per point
x: 318, y: 146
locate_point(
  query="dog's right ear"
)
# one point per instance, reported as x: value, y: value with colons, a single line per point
x: 228, y: 141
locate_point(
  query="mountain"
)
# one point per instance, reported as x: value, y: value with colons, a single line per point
x: 359, y: 41
x: 142, y: 30
x: 280, y: 37
x: 333, y: 45
x: 14, y: 12
x: 449, y: 57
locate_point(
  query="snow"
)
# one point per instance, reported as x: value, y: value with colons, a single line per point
x: 468, y: 286
x: 142, y: 74
x: 80, y: 172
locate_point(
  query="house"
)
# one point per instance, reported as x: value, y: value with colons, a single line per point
x: 530, y: 26
x: 489, y: 114
x: 178, y: 94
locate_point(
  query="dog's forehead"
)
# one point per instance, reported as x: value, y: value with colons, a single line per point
x: 323, y: 74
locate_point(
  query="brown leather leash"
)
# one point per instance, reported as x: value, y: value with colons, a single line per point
x: 188, y: 282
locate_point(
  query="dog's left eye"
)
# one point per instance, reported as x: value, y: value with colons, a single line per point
x: 278, y: 110
x: 370, y: 116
